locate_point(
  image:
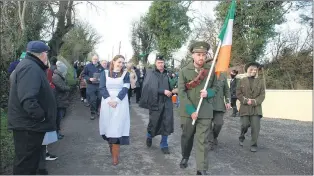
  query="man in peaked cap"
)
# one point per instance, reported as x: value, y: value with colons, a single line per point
x: 189, y: 98
x: 157, y: 98
x: 251, y: 94
x: 32, y: 108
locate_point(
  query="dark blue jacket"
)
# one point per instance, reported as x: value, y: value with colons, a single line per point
x: 13, y: 66
x: 89, y: 71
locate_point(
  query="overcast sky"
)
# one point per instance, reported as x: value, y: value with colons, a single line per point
x: 113, y: 22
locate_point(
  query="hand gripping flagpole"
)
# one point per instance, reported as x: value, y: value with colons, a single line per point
x: 208, y: 77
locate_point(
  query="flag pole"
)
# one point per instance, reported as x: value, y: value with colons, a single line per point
x: 208, y: 77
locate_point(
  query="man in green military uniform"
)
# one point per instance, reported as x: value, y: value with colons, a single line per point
x: 251, y: 94
x: 192, y: 80
x: 221, y: 102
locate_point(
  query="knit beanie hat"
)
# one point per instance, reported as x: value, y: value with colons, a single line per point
x: 61, y: 67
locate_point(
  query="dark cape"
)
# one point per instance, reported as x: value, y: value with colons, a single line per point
x: 160, y: 106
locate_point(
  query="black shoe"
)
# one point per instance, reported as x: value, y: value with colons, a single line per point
x: 149, y: 142
x: 253, y: 148
x: 60, y: 136
x: 215, y: 141
x: 92, y: 117
x: 42, y: 172
x: 201, y: 172
x: 241, y: 143
x: 184, y: 163
x: 50, y: 157
x: 165, y: 150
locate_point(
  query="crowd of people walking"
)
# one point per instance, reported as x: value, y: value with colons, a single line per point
x: 39, y: 98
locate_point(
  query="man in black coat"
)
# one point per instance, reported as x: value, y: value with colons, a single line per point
x: 140, y: 73
x: 156, y: 97
x: 233, y: 87
x: 32, y: 108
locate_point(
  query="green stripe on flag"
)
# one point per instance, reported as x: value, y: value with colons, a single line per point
x: 230, y: 15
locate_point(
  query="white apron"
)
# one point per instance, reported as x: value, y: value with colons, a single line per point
x: 114, y: 122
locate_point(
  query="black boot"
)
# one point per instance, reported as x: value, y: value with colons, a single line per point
x: 204, y: 172
x: 184, y: 163
x: 149, y: 142
x: 165, y: 150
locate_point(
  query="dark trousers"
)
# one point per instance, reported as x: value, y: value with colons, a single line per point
x: 83, y: 92
x: 138, y: 91
x: 94, y: 98
x: 60, y: 115
x: 234, y: 105
x: 28, y: 145
x: 42, y: 161
x: 216, y: 125
x: 130, y: 93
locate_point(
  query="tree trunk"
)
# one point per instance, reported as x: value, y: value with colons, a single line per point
x: 64, y: 25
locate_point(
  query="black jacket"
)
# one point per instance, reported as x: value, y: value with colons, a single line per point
x: 233, y: 87
x: 32, y: 105
x: 160, y: 106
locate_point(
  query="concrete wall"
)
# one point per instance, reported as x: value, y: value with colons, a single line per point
x: 288, y: 104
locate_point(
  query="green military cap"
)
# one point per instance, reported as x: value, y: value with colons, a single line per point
x: 199, y: 47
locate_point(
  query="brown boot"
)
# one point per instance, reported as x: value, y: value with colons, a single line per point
x: 115, y: 154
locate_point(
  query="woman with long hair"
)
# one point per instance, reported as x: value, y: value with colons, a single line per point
x: 114, y: 119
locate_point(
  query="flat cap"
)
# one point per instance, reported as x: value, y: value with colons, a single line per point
x: 37, y: 47
x: 199, y: 47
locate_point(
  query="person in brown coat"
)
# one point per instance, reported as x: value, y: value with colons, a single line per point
x: 251, y: 93
x: 82, y: 86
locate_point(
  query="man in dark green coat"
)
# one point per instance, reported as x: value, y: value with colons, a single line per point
x: 190, y: 91
x: 221, y: 103
x: 251, y: 94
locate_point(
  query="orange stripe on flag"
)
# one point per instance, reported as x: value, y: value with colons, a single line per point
x: 223, y: 59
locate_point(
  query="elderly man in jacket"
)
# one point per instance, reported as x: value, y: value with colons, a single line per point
x: 91, y: 75
x: 32, y: 108
x: 251, y: 94
x: 157, y: 98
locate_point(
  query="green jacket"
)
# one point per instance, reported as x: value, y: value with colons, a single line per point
x: 173, y: 82
x: 245, y: 92
x: 189, y: 99
x: 223, y: 95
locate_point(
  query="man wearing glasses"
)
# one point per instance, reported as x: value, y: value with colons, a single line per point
x: 192, y: 80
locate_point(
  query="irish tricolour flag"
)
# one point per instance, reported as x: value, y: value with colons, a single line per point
x: 225, y: 37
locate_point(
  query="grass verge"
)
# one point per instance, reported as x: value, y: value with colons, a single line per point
x: 6, y: 146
